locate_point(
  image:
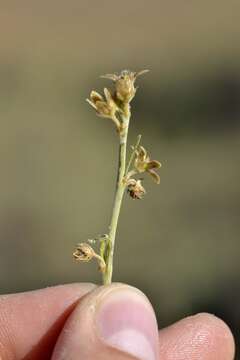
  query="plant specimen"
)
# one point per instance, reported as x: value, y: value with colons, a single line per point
x: 115, y: 105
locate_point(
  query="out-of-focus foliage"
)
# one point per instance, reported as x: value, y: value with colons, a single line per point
x: 55, y: 189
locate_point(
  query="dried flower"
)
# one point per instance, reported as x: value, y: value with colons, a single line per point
x: 124, y: 84
x: 135, y: 189
x: 85, y: 252
x: 107, y: 107
x: 143, y: 163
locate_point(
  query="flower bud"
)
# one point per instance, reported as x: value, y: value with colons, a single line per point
x: 125, y: 89
x: 124, y: 84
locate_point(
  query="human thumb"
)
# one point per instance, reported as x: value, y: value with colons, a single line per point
x: 112, y: 322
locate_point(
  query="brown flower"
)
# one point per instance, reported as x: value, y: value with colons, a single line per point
x: 124, y: 84
x: 107, y: 107
x: 135, y: 189
x: 143, y: 163
x: 84, y: 252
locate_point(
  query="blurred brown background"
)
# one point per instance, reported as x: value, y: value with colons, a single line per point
x: 58, y: 160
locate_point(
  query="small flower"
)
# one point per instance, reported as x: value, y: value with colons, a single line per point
x: 135, y: 189
x: 143, y: 163
x: 85, y: 252
x: 107, y: 107
x: 124, y: 84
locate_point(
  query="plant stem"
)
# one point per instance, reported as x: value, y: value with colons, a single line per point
x: 134, y: 148
x: 120, y: 188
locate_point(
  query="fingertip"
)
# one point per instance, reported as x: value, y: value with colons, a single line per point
x: 200, y: 336
x: 30, y: 322
x: 219, y: 332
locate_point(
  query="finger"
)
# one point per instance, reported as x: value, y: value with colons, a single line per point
x: 30, y: 322
x: 112, y: 322
x: 202, y: 336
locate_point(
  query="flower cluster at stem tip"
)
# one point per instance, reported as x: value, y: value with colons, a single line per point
x: 114, y: 105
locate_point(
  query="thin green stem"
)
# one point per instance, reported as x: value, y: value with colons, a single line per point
x: 120, y: 188
x: 133, y: 154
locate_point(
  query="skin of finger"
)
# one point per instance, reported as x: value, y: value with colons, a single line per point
x: 80, y: 338
x: 203, y: 336
x: 31, y: 322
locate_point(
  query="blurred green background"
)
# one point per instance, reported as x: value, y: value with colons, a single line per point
x: 180, y: 244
